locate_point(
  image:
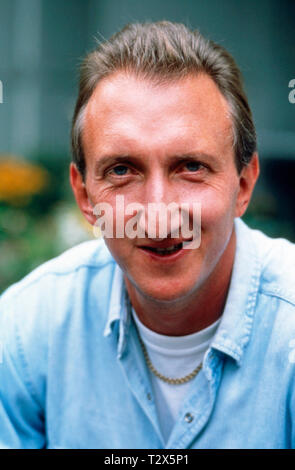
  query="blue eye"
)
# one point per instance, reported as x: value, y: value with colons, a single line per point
x: 193, y: 166
x: 120, y: 170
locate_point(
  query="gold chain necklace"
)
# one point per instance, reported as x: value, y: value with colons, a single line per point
x: 168, y: 380
x: 160, y: 376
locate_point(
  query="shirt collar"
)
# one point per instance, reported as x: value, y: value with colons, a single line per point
x: 118, y: 309
x: 236, y: 323
x: 116, y: 298
x: 235, y: 327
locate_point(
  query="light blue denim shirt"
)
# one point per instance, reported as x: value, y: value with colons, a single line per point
x: 72, y: 373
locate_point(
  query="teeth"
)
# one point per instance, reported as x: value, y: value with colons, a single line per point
x: 167, y: 250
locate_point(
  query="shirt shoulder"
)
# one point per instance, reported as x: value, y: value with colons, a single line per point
x: 58, y: 292
x: 277, y: 260
x: 274, y: 324
x: 86, y: 257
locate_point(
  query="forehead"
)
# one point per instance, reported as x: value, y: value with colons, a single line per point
x: 131, y: 114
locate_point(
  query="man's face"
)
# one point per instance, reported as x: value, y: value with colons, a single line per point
x: 163, y: 143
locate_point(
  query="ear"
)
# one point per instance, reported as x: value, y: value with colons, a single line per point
x: 81, y: 195
x: 248, y: 178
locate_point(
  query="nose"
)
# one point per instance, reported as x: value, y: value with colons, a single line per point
x: 156, y: 188
x: 157, y: 221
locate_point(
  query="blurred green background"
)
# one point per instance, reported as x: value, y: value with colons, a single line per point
x: 41, y: 45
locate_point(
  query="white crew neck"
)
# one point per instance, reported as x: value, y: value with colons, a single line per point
x: 184, y: 345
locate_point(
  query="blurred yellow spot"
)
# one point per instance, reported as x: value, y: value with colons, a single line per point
x: 19, y: 180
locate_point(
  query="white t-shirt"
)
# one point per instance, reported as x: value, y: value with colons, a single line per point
x: 175, y: 357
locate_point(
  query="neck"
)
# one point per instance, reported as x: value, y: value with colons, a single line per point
x: 195, y: 311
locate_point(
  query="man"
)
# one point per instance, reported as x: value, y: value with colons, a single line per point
x: 148, y: 341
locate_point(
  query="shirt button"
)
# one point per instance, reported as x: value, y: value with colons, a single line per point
x: 188, y: 417
x: 149, y: 396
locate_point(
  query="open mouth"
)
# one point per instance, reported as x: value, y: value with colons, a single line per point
x: 164, y: 251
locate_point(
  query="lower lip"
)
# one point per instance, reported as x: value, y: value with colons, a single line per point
x: 169, y: 258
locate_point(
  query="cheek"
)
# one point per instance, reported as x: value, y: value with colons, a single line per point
x: 120, y: 251
x: 217, y: 207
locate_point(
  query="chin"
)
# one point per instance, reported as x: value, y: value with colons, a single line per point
x: 166, y: 293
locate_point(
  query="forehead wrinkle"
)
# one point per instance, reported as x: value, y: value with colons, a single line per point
x: 143, y: 145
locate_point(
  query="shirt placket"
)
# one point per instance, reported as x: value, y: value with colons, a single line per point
x: 198, y: 406
x: 137, y: 376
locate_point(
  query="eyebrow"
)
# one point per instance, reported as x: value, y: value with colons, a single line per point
x: 107, y: 159
x: 111, y: 159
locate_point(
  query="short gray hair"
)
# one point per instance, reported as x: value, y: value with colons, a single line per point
x: 165, y: 51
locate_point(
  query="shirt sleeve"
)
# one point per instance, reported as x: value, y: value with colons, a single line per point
x: 22, y: 424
